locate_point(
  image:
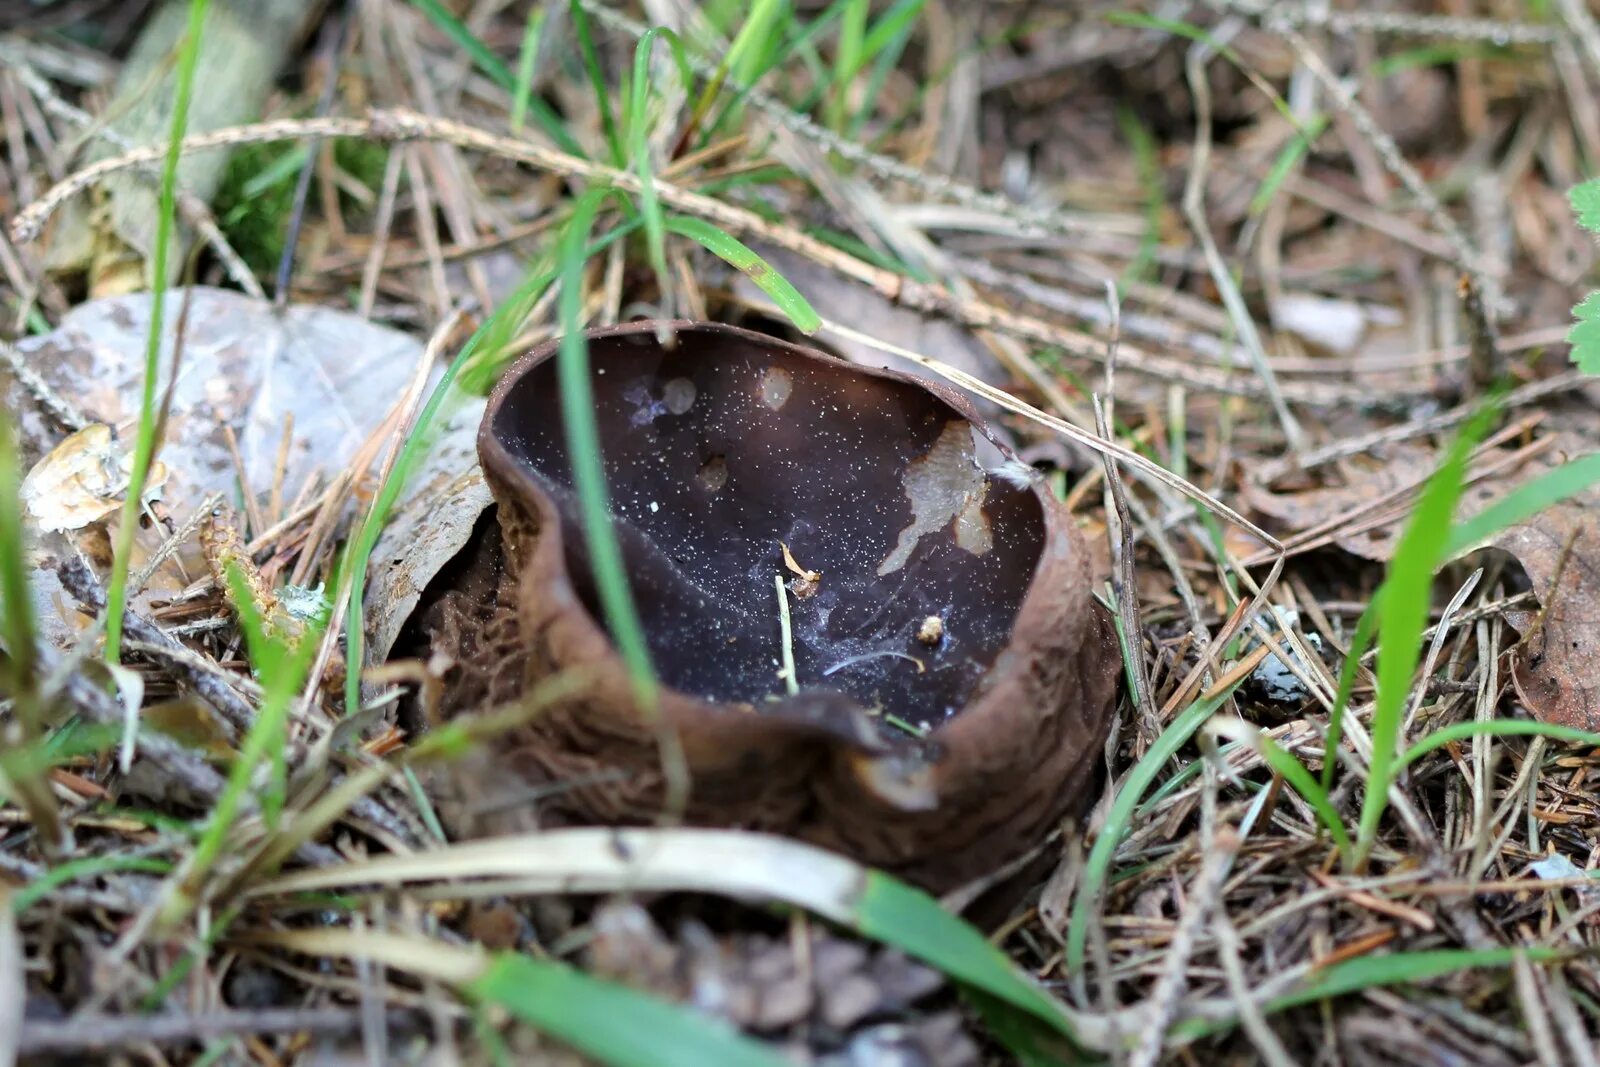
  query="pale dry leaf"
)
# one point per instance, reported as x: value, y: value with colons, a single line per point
x: 244, y: 366
x: 83, y: 480
x: 431, y: 522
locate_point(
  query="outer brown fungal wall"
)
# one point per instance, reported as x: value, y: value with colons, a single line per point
x: 720, y: 449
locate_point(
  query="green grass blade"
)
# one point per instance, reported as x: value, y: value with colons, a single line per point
x: 1097, y: 867
x: 496, y: 70
x: 847, y: 60
x: 1372, y: 972
x: 16, y: 598
x: 522, y: 91
x: 1525, y: 501
x: 1148, y: 166
x: 1366, y: 628
x: 892, y: 24
x: 1402, y: 604
x: 1284, y: 164
x: 882, y: 47
x: 25, y: 897
x: 285, y: 671
x: 616, y: 1025
x: 898, y: 914
x: 1190, y: 32
x: 144, y: 449
x: 778, y: 44
x: 723, y: 245
x: 481, y: 54
x: 638, y: 130
x: 584, y: 452
x: 597, y: 82
x: 885, y: 59
x: 1461, y: 731
x: 726, y: 862
x: 492, y: 335
x: 1031, y: 1042
x: 1285, y: 764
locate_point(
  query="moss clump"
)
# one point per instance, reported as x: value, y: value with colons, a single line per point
x: 256, y: 195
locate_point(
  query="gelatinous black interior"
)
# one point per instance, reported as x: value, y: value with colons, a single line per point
x: 718, y: 450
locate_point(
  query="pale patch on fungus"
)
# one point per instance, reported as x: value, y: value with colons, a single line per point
x: 776, y: 385
x: 944, y: 486
x: 713, y: 474
x: 678, y: 395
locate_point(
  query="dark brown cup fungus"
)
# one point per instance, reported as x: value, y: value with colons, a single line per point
x: 954, y: 676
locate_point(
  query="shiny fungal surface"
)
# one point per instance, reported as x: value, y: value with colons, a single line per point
x: 718, y: 451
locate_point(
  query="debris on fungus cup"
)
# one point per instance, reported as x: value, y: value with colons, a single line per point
x: 952, y: 676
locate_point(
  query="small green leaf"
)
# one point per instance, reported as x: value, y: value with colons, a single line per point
x: 1585, y: 200
x: 1584, y: 337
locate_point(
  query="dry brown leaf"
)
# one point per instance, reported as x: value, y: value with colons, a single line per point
x: 1557, y: 666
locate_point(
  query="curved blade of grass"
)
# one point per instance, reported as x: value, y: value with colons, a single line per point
x: 496, y: 70
x: 610, y: 1022
x: 584, y: 1012
x: 1369, y: 972
x: 1402, y: 604
x: 597, y: 82
x: 16, y: 598
x: 730, y: 862
x: 1284, y: 763
x: 1097, y: 866
x: 1462, y: 731
x: 416, y: 444
x: 283, y: 671
x: 638, y: 129
x: 1525, y: 501
x: 1366, y: 627
x: 25, y: 897
x: 724, y: 246
x: 847, y: 60
x: 895, y: 913
x: 144, y: 449
x: 583, y: 452
x: 522, y: 91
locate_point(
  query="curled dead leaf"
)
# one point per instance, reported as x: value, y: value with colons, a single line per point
x: 82, y: 480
